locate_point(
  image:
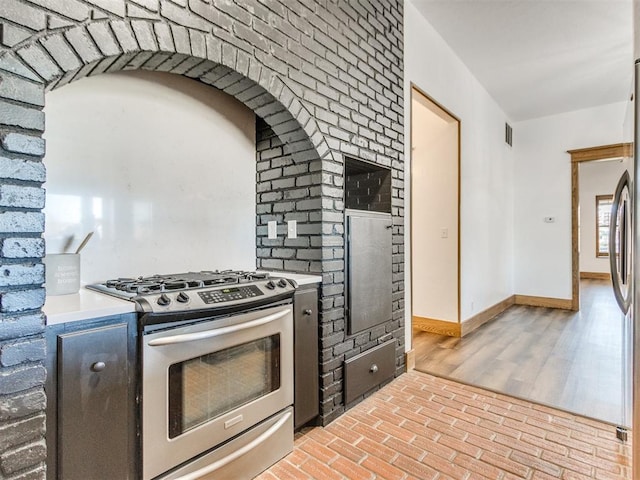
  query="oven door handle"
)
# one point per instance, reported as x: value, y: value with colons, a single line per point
x: 263, y: 437
x: 193, y: 337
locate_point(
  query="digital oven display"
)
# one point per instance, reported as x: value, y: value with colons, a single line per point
x: 229, y: 294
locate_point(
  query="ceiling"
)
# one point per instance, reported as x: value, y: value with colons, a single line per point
x: 541, y: 57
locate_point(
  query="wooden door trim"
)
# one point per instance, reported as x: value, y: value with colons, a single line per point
x: 419, y: 91
x: 602, y: 152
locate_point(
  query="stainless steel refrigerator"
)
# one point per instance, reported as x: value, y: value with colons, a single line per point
x: 624, y: 250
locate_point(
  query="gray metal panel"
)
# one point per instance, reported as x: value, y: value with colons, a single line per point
x: 92, y: 402
x: 368, y: 370
x: 369, y: 267
x: 305, y: 338
x: 256, y: 460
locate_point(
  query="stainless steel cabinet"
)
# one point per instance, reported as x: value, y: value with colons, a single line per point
x: 369, y: 269
x: 305, y: 338
x: 92, y: 429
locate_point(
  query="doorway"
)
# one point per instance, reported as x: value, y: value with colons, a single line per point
x: 435, y: 216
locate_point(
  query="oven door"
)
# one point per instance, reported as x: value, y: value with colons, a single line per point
x: 206, y: 383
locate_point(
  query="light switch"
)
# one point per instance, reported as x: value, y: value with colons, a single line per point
x: 549, y: 219
x: 272, y: 229
x: 292, y: 229
x: 444, y: 233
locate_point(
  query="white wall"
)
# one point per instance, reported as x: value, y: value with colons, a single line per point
x: 486, y: 167
x: 434, y: 181
x: 543, y: 188
x: 596, y: 178
x: 161, y: 167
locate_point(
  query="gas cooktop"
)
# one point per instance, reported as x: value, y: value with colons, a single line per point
x: 192, y: 291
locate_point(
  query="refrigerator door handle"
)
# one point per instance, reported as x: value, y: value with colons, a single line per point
x: 619, y: 273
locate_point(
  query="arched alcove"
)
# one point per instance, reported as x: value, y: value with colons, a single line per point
x: 326, y: 80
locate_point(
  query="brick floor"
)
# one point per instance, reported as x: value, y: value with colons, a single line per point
x: 424, y: 427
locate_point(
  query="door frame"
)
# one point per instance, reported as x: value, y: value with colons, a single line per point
x: 435, y: 326
x: 578, y: 156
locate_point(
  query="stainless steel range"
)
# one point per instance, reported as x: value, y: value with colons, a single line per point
x: 217, y: 371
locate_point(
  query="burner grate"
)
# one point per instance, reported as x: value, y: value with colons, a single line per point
x: 182, y: 281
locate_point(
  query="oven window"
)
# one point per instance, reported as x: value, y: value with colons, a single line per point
x: 205, y: 387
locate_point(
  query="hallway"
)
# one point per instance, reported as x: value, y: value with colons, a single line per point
x: 567, y: 360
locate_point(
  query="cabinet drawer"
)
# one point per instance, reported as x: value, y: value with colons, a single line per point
x: 368, y: 370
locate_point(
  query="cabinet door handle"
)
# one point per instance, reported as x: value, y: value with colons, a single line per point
x: 98, y: 366
x: 308, y: 311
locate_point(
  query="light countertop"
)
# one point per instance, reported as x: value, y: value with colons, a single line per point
x: 84, y: 305
x: 88, y: 304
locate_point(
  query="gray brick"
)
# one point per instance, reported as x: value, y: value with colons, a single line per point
x: 23, y: 247
x: 172, y: 62
x: 69, y: 8
x: 144, y: 34
x: 20, y: 196
x: 16, y: 353
x: 25, y: 15
x: 23, y: 405
x: 165, y: 40
x: 198, y: 44
x: 19, y: 301
x: 19, y: 169
x: 17, y: 379
x: 153, y: 5
x: 12, y: 35
x: 13, y: 461
x: 181, y: 39
x: 21, y: 326
x: 125, y: 37
x: 64, y: 56
x: 104, y: 39
x: 21, y: 222
x: 205, y: 10
x: 134, y: 11
x: 18, y: 433
x: 113, y: 6
x: 54, y: 23
x: 11, y: 275
x: 23, y: 117
x: 182, y: 16
x: 34, y: 56
x: 21, y: 143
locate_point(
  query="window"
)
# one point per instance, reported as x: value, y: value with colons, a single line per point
x: 603, y: 215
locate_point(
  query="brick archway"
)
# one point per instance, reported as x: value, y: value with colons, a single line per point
x: 326, y: 78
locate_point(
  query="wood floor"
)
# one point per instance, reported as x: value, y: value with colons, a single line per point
x: 568, y: 360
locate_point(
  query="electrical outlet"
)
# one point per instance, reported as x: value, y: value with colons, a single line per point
x: 272, y: 229
x: 292, y: 229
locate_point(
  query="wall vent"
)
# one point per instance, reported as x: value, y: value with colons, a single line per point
x: 508, y: 134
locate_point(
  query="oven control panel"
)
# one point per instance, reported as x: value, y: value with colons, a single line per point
x: 212, y: 299
x: 229, y: 294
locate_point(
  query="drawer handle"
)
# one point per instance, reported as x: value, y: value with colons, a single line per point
x: 98, y: 366
x: 374, y: 368
x: 308, y: 311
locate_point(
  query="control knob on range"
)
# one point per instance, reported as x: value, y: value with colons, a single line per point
x: 282, y: 283
x: 164, y: 300
x: 270, y: 285
x: 182, y: 297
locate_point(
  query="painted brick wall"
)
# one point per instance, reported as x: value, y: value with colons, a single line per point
x: 325, y: 78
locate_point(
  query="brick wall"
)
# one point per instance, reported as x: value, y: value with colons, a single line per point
x: 325, y: 78
x: 368, y: 191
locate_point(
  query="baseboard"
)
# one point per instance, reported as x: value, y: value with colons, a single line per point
x: 595, y: 275
x: 410, y: 360
x: 483, y: 317
x: 431, y: 325
x: 561, y: 303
